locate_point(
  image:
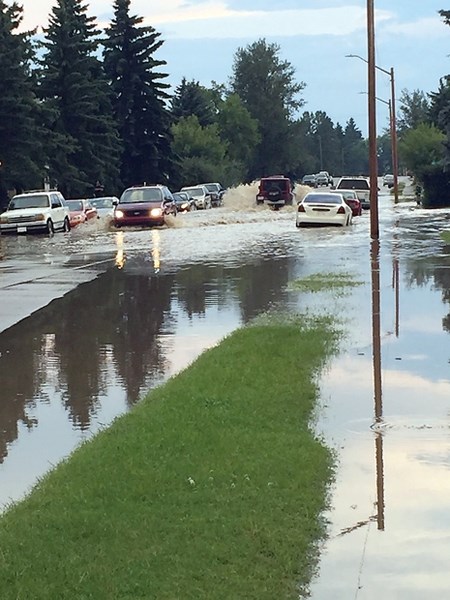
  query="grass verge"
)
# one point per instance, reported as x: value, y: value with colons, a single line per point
x: 445, y: 235
x: 212, y: 487
x: 319, y: 282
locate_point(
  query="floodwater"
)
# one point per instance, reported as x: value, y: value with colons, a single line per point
x: 91, y: 320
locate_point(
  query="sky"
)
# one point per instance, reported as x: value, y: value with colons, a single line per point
x: 201, y: 38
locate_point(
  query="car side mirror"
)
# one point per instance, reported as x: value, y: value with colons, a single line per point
x: 115, y: 202
x: 332, y: 187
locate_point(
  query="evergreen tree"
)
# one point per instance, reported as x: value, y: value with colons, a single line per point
x: 83, y: 140
x: 191, y: 98
x: 355, y: 155
x: 269, y: 91
x: 440, y: 104
x: 20, y: 149
x: 414, y: 110
x: 139, y: 97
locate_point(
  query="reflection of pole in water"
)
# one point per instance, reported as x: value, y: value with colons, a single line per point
x: 376, y: 345
x: 395, y: 284
x: 376, y: 328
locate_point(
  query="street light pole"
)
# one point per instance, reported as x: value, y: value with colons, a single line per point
x: 394, y: 137
x: 373, y: 166
x: 394, y: 141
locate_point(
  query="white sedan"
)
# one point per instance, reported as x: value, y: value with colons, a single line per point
x: 323, y: 208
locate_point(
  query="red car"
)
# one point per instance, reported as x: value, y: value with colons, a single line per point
x: 144, y: 205
x: 351, y: 198
x: 81, y: 211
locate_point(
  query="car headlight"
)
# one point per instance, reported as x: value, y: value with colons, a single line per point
x: 39, y: 217
x: 3, y: 219
x: 118, y: 214
x: 260, y: 197
x: 155, y: 212
x: 184, y: 205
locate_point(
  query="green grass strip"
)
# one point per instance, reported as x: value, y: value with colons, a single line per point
x: 445, y: 235
x: 319, y: 282
x: 211, y: 488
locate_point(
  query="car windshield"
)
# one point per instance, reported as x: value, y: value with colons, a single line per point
x: 102, y: 202
x: 141, y: 195
x: 271, y: 184
x: 212, y: 187
x: 322, y: 198
x: 354, y: 184
x: 38, y: 201
x: 194, y: 191
x: 74, y: 204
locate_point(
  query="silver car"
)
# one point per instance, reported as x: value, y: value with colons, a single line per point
x: 200, y: 194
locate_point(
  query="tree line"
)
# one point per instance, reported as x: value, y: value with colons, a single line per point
x: 90, y: 111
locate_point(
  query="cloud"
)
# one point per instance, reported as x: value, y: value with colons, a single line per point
x: 427, y: 28
x: 216, y: 20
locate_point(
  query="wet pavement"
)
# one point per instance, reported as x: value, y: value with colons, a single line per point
x: 91, y: 320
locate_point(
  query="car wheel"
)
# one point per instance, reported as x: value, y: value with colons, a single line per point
x: 66, y: 226
x: 50, y: 227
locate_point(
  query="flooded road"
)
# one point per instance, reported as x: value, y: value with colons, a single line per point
x: 131, y: 308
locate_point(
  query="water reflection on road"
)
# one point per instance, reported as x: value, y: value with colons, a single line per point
x: 149, y: 301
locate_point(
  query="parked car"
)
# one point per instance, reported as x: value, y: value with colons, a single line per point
x: 216, y: 192
x: 81, y: 211
x: 184, y: 201
x: 323, y: 208
x: 40, y: 211
x: 105, y: 206
x: 351, y: 198
x: 323, y: 178
x: 144, y: 205
x: 388, y: 180
x: 275, y: 191
x: 200, y: 194
x: 309, y: 180
x: 359, y: 184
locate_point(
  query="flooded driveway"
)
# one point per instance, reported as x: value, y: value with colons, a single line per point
x: 91, y: 320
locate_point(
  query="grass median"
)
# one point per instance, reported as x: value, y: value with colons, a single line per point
x: 212, y: 487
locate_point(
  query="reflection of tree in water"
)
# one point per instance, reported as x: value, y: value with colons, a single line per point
x: 256, y: 285
x: 442, y: 281
x: 21, y: 379
x: 421, y: 273
x: 75, y: 347
x: 261, y: 285
x: 143, y: 304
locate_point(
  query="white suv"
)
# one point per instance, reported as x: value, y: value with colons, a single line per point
x: 359, y: 184
x: 201, y: 195
x: 36, y: 211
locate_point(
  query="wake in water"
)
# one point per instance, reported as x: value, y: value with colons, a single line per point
x: 243, y: 198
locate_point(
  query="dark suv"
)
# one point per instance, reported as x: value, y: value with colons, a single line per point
x: 275, y: 191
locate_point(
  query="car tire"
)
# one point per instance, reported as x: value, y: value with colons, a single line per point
x: 50, y: 227
x: 66, y: 225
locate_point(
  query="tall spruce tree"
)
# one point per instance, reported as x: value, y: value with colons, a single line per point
x: 191, y: 98
x: 269, y: 91
x: 139, y: 97
x: 83, y: 142
x: 20, y: 149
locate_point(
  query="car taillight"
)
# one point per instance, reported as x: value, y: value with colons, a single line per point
x: 341, y: 210
x: 301, y: 208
